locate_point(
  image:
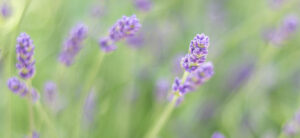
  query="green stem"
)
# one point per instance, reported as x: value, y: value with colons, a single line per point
x: 167, y: 112
x: 45, y: 116
x: 163, y: 118
x: 30, y: 108
x: 86, y: 87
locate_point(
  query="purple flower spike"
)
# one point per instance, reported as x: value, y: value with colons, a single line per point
x: 199, y: 48
x: 124, y: 27
x: 107, y: 45
x: 217, y: 135
x: 73, y: 44
x: 5, y: 10
x: 16, y: 86
x: 25, y: 51
x: 198, y: 51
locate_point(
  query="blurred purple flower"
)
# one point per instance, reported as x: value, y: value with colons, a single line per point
x: 107, y: 45
x: 20, y: 88
x: 17, y: 87
x: 51, y: 97
x: 25, y: 51
x: 217, y: 135
x: 240, y: 74
x: 195, y: 79
x: 89, y: 107
x: 34, y: 134
x: 161, y: 89
x: 290, y: 129
x: 73, y: 44
x: 124, y: 28
x: 282, y: 33
x: 143, y: 5
x: 136, y: 41
x: 5, y: 10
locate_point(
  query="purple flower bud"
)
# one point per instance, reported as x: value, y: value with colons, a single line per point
x: 107, y: 45
x: 16, y: 86
x: 73, y: 44
x: 20, y: 88
x: 124, y: 27
x: 182, y: 88
x: 25, y: 51
x: 143, y: 5
x: 217, y: 135
x: 5, y: 10
x: 188, y: 63
x: 202, y: 74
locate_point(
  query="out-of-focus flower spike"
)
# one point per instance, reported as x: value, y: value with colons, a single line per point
x: 73, y: 44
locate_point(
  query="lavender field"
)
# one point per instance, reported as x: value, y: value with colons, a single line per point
x: 149, y: 69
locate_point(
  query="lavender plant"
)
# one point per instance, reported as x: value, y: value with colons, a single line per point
x: 73, y: 44
x: 197, y: 71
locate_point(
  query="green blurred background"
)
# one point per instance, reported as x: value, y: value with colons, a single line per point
x: 253, y: 93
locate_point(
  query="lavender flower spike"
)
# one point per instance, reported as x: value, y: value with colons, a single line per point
x: 73, y: 44
x: 217, y: 135
x: 198, y: 51
x: 25, y: 51
x: 124, y: 28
